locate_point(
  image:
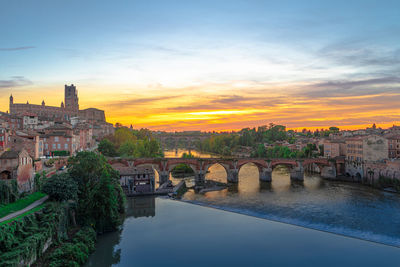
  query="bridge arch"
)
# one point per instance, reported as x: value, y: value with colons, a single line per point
x: 221, y: 164
x: 172, y: 165
x: 289, y: 166
x: 264, y: 170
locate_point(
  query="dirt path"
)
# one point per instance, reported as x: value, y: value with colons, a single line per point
x: 31, y: 206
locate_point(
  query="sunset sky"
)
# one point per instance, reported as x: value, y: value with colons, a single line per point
x: 208, y: 65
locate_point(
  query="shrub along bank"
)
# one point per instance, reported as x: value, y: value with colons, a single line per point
x: 24, y: 240
x: 8, y: 191
x: 87, y: 200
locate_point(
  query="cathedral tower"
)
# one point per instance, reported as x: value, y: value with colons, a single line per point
x: 11, y: 109
x: 71, y: 98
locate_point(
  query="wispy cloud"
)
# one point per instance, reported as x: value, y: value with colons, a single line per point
x: 16, y: 48
x: 15, y: 81
x: 131, y: 102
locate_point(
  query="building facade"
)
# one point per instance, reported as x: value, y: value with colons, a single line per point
x: 394, y: 146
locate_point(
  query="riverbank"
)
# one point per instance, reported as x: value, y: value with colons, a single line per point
x: 203, y: 236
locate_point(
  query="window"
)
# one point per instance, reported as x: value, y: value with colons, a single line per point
x: 54, y: 146
x: 59, y: 146
x: 66, y: 146
x: 46, y: 146
x: 56, y: 138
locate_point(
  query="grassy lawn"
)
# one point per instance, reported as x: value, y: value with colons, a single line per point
x: 23, y: 214
x: 20, y: 204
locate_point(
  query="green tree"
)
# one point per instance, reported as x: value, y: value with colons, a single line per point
x: 187, y: 155
x: 127, y: 149
x: 103, y: 207
x: 334, y: 129
x: 121, y: 135
x: 98, y: 186
x: 61, y: 187
x: 107, y: 148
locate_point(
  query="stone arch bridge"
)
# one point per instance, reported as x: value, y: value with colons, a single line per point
x: 232, y: 166
x: 176, y: 139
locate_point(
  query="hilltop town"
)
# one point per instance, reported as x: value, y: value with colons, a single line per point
x: 30, y: 132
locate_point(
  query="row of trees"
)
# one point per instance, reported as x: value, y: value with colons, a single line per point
x: 130, y: 143
x: 220, y: 144
x: 284, y: 152
x: 225, y: 144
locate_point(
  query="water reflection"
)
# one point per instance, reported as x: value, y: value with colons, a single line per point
x: 144, y: 206
x: 107, y: 251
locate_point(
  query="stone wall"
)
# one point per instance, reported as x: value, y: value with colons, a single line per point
x: 375, y: 148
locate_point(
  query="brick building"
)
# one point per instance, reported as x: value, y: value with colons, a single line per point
x: 59, y: 137
x: 17, y: 165
x: 394, y: 146
x: 12, y: 122
x: 28, y: 141
x: 367, y: 148
x: 354, y: 149
x: 334, y: 148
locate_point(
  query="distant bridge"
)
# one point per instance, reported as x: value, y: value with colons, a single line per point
x: 176, y: 139
x: 232, y: 166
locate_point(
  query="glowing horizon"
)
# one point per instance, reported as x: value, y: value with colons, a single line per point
x: 209, y: 65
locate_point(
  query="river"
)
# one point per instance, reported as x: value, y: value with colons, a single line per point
x: 179, y: 231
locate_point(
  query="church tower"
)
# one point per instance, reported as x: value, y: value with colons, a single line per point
x: 71, y: 98
x: 11, y: 109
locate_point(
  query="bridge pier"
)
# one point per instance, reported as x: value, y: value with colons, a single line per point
x: 199, y: 178
x: 328, y: 172
x: 233, y: 176
x: 265, y: 175
x: 297, y: 173
x: 163, y: 177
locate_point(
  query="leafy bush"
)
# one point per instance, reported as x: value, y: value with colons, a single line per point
x: 49, y: 163
x: 60, y: 153
x: 22, y: 240
x: 8, y: 191
x: 61, y: 187
x: 69, y: 254
x: 74, y: 253
x: 87, y: 236
x: 39, y: 180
